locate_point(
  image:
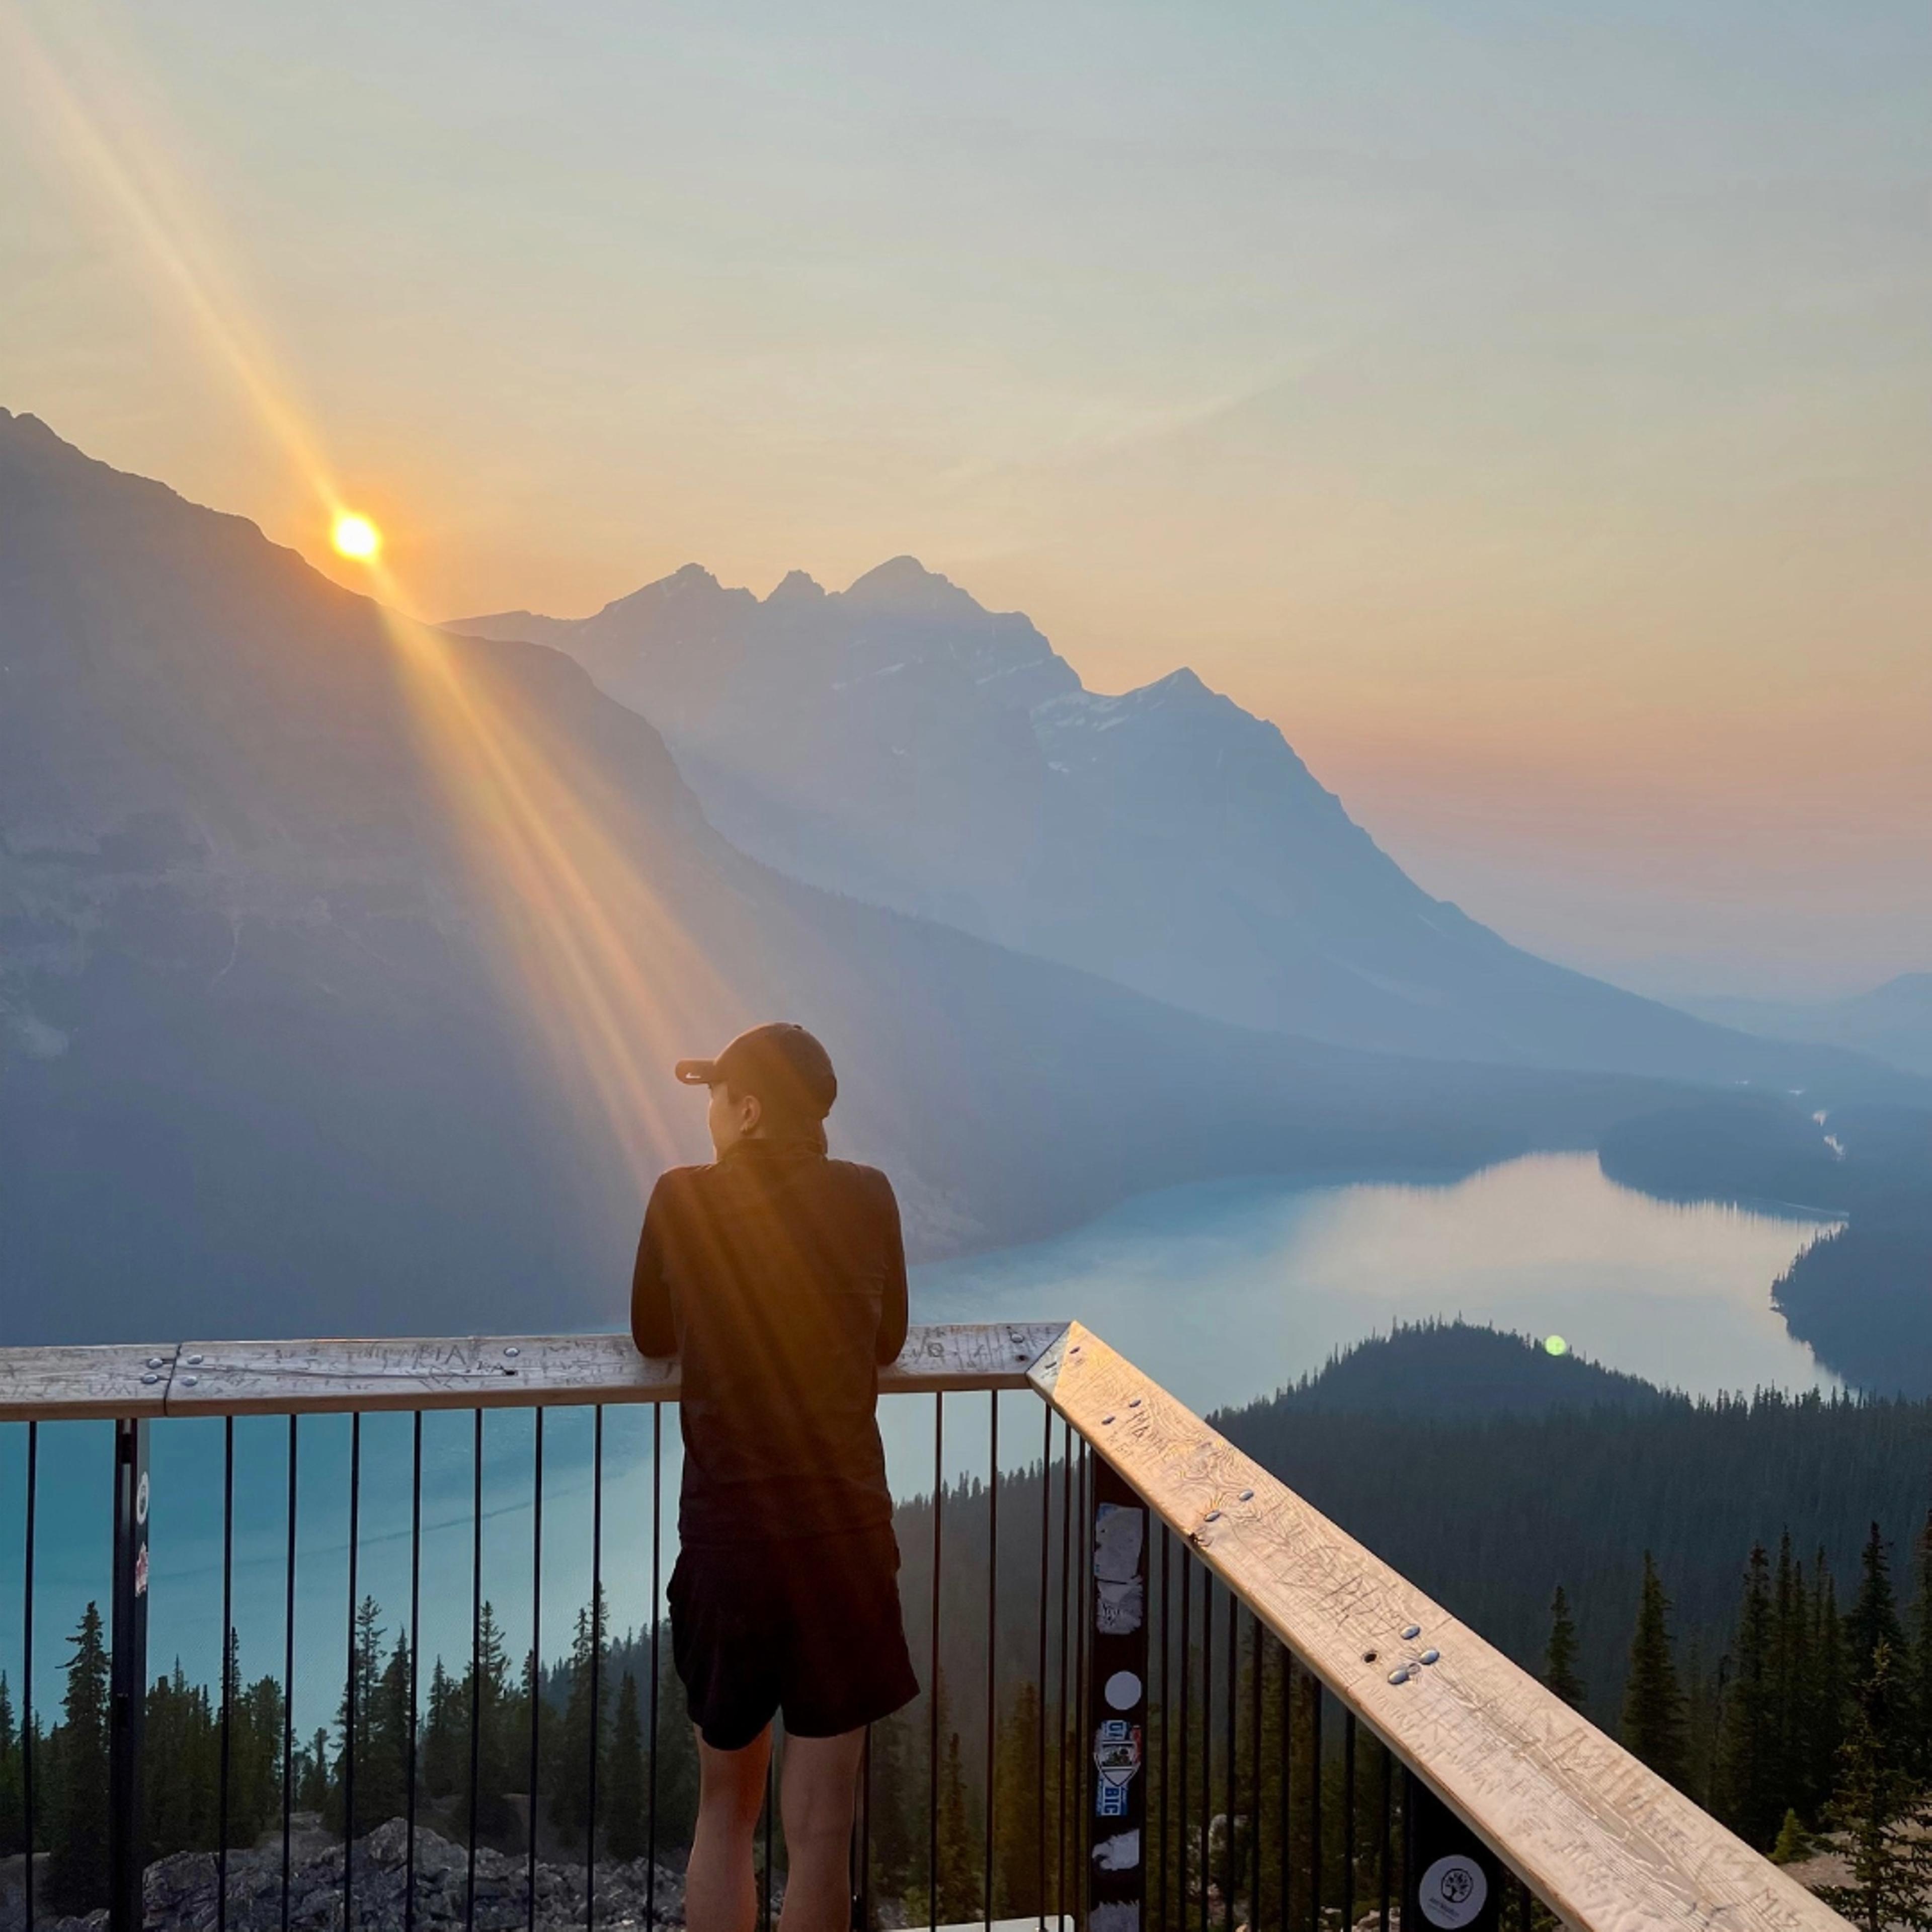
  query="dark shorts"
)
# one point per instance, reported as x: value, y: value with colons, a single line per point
x: 810, y: 1627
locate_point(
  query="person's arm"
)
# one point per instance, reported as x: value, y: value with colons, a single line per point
x: 893, y: 1313
x: 653, y: 1328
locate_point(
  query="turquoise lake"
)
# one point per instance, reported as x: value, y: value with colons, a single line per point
x: 1225, y: 1292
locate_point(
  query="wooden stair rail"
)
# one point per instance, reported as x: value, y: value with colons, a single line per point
x: 1600, y: 1838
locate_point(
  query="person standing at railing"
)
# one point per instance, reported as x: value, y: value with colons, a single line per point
x: 778, y: 1275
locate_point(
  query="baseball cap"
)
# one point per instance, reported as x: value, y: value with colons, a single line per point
x: 780, y: 1062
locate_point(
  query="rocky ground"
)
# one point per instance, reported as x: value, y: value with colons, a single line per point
x: 181, y: 1890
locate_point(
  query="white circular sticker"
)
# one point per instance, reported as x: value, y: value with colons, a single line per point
x: 1454, y: 1891
x: 141, y: 1499
x: 1123, y: 1690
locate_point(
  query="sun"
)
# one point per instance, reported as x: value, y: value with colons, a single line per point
x: 355, y: 536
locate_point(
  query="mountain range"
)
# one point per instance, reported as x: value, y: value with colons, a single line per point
x: 898, y: 743
x: 1892, y: 1022
x: 303, y: 1025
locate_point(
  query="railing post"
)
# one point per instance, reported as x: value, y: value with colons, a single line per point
x: 127, y: 1708
x: 1115, y: 1838
x: 1450, y: 1881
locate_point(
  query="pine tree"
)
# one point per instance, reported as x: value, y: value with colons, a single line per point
x: 77, y: 1869
x: 489, y: 1685
x: 13, y: 1808
x: 1791, y: 1687
x: 1016, y: 1839
x: 1830, y: 1698
x: 1875, y: 1808
x: 1920, y: 1671
x: 1873, y: 1620
x: 314, y: 1787
x: 673, y: 1769
x: 443, y: 1746
x: 1653, y: 1713
x: 1793, y: 1842
x: 378, y: 1782
x: 382, y: 1789
x: 1751, y: 1795
x: 621, y: 1794
x: 569, y: 1784
x: 959, y: 1865
x: 1559, y: 1656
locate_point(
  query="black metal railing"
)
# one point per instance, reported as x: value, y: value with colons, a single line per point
x: 1105, y: 1735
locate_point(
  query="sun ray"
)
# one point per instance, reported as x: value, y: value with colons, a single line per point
x: 594, y: 959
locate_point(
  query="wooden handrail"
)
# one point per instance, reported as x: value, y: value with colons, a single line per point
x: 473, y: 1372
x: 1606, y: 1843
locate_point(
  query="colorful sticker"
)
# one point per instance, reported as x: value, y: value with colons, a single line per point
x: 1453, y: 1891
x: 1121, y: 1853
x: 1117, y: 1915
x: 141, y: 1571
x: 1116, y: 1761
x: 1122, y: 1690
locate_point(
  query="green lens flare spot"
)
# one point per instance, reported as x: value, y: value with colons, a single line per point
x: 1556, y: 1345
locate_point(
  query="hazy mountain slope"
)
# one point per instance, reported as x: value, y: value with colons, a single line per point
x: 264, y: 1064
x: 897, y: 742
x: 1892, y: 1022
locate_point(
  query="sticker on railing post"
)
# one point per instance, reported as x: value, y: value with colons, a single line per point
x: 1454, y: 1884
x: 1116, y: 1705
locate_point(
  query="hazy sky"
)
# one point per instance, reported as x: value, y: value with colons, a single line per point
x: 1528, y: 407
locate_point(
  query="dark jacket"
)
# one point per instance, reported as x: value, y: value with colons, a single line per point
x: 778, y: 1276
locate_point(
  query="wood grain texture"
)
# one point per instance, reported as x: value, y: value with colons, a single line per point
x: 1602, y: 1841
x: 468, y: 1371
x: 83, y: 1384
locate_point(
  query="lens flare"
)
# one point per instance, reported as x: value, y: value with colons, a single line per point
x: 1556, y: 1345
x: 355, y: 536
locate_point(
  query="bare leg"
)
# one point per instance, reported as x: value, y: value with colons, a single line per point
x: 719, y: 1895
x: 819, y: 1789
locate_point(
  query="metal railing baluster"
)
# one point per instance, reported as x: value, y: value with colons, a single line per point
x: 992, y: 1644
x: 31, y: 1820
x: 1183, y: 1825
x: 1206, y: 1745
x: 1285, y: 1822
x: 1314, y: 1684
x: 657, y: 1599
x: 771, y: 1795
x: 1348, y: 1818
x: 476, y: 1668
x: 1166, y: 1723
x: 416, y: 1668
x: 1066, y: 1643
x: 227, y: 1670
x: 596, y: 1661
x: 289, y: 1679
x: 1388, y: 1828
x: 536, y: 1671
x: 348, y: 1693
x: 1229, y: 1875
x: 1257, y: 1658
x: 1045, y: 1587
x: 932, y: 1677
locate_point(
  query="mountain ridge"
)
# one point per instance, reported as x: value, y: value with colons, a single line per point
x: 898, y: 743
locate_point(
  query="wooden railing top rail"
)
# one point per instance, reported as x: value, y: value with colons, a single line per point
x: 468, y: 1371
x: 1604, y: 1840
